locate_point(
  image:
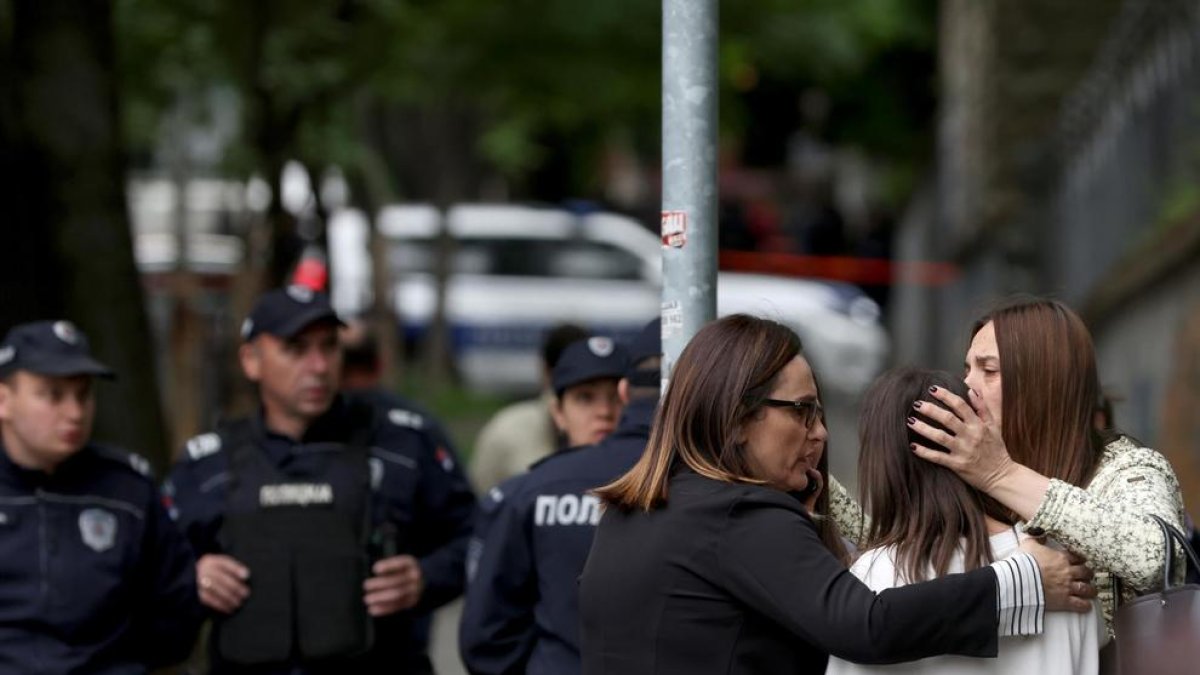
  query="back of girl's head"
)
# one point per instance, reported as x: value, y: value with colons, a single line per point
x: 921, y: 509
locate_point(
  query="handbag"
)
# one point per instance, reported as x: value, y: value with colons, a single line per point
x: 1158, y: 633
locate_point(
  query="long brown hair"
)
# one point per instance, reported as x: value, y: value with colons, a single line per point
x: 1050, y: 387
x: 922, y: 510
x: 720, y: 380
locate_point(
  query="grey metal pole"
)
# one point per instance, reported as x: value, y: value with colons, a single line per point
x: 689, y: 172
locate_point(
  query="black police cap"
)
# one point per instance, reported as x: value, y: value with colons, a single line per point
x: 284, y: 312
x: 55, y: 348
x: 590, y: 359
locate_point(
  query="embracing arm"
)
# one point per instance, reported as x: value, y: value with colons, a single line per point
x: 847, y: 513
x: 773, y: 560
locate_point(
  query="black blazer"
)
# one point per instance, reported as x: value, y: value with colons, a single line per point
x: 730, y: 578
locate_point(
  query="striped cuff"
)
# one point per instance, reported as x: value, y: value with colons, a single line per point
x: 1020, y: 600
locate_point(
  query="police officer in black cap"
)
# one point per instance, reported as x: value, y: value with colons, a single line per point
x: 586, y: 406
x: 94, y: 576
x: 522, y: 609
x: 328, y: 526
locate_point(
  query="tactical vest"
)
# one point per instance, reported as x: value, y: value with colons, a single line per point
x: 302, y: 532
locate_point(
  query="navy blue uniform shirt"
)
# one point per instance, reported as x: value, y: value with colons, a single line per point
x: 532, y: 539
x: 94, y: 578
x: 419, y: 494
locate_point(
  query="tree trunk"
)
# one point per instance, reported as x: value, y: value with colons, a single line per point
x: 72, y: 253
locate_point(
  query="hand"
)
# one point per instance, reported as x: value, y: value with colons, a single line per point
x: 976, y: 449
x: 397, y: 585
x: 222, y: 582
x: 1066, y: 578
x: 816, y: 484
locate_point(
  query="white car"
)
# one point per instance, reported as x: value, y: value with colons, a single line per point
x: 519, y: 270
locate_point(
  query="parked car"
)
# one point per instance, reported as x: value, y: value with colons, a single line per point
x: 517, y: 270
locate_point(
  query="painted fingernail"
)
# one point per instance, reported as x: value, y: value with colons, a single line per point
x: 933, y: 389
x: 912, y: 446
x: 912, y: 420
x: 917, y: 405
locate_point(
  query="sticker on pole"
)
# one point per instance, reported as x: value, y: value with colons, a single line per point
x: 672, y: 319
x: 674, y: 229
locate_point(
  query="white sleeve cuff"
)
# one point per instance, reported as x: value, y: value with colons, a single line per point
x: 1020, y: 600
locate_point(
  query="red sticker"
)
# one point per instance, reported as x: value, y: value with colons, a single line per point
x: 674, y: 228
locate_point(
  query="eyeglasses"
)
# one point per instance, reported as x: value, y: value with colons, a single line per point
x: 806, y: 410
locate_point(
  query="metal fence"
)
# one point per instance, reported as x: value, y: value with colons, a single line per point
x: 1127, y: 146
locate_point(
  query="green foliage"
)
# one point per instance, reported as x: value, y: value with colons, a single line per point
x: 530, y: 69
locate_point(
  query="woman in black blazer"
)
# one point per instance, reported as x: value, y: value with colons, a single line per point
x: 709, y: 559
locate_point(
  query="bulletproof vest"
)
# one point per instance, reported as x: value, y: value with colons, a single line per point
x: 302, y: 532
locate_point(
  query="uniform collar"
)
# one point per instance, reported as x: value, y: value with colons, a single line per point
x: 36, y: 477
x: 329, y: 427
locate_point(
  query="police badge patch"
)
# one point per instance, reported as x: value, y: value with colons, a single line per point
x: 98, y: 528
x: 601, y: 346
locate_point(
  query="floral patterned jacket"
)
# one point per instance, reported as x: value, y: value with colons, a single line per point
x: 1107, y: 522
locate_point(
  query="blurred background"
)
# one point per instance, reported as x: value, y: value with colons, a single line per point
x: 469, y: 173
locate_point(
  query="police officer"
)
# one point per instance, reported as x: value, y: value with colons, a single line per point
x: 522, y: 609
x: 328, y: 526
x: 586, y: 406
x: 95, y: 577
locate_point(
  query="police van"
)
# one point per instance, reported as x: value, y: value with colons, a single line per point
x: 517, y: 270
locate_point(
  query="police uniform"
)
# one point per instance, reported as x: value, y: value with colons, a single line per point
x: 94, y: 577
x: 532, y: 540
x: 308, y: 517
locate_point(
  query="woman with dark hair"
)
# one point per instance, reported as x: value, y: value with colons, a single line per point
x: 1028, y: 440
x: 924, y: 522
x: 709, y: 559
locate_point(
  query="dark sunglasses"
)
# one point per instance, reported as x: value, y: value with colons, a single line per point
x: 806, y: 410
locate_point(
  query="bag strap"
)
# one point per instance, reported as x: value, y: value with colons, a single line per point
x: 1171, y: 534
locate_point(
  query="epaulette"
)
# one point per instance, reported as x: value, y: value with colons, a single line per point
x: 406, y: 418
x: 199, y: 447
x: 129, y: 460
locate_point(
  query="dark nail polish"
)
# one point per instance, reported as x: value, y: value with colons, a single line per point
x: 912, y: 446
x: 912, y: 420
x: 917, y: 405
x: 933, y: 390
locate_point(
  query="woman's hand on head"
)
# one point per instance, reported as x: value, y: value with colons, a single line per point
x: 1066, y: 578
x: 976, y: 449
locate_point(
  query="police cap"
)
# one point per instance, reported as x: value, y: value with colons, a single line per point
x: 55, y: 348
x: 284, y: 312
x: 591, y: 359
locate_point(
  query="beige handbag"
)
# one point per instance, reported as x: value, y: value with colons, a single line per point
x: 1158, y: 633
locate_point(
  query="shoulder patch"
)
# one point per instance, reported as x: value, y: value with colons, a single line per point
x: 140, y: 464
x: 203, y: 445
x: 406, y: 418
x: 126, y: 459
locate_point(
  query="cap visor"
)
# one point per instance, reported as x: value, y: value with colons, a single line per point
x: 76, y: 365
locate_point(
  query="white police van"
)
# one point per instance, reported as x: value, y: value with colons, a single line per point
x: 518, y: 270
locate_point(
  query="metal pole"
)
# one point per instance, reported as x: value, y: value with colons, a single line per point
x: 689, y: 172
